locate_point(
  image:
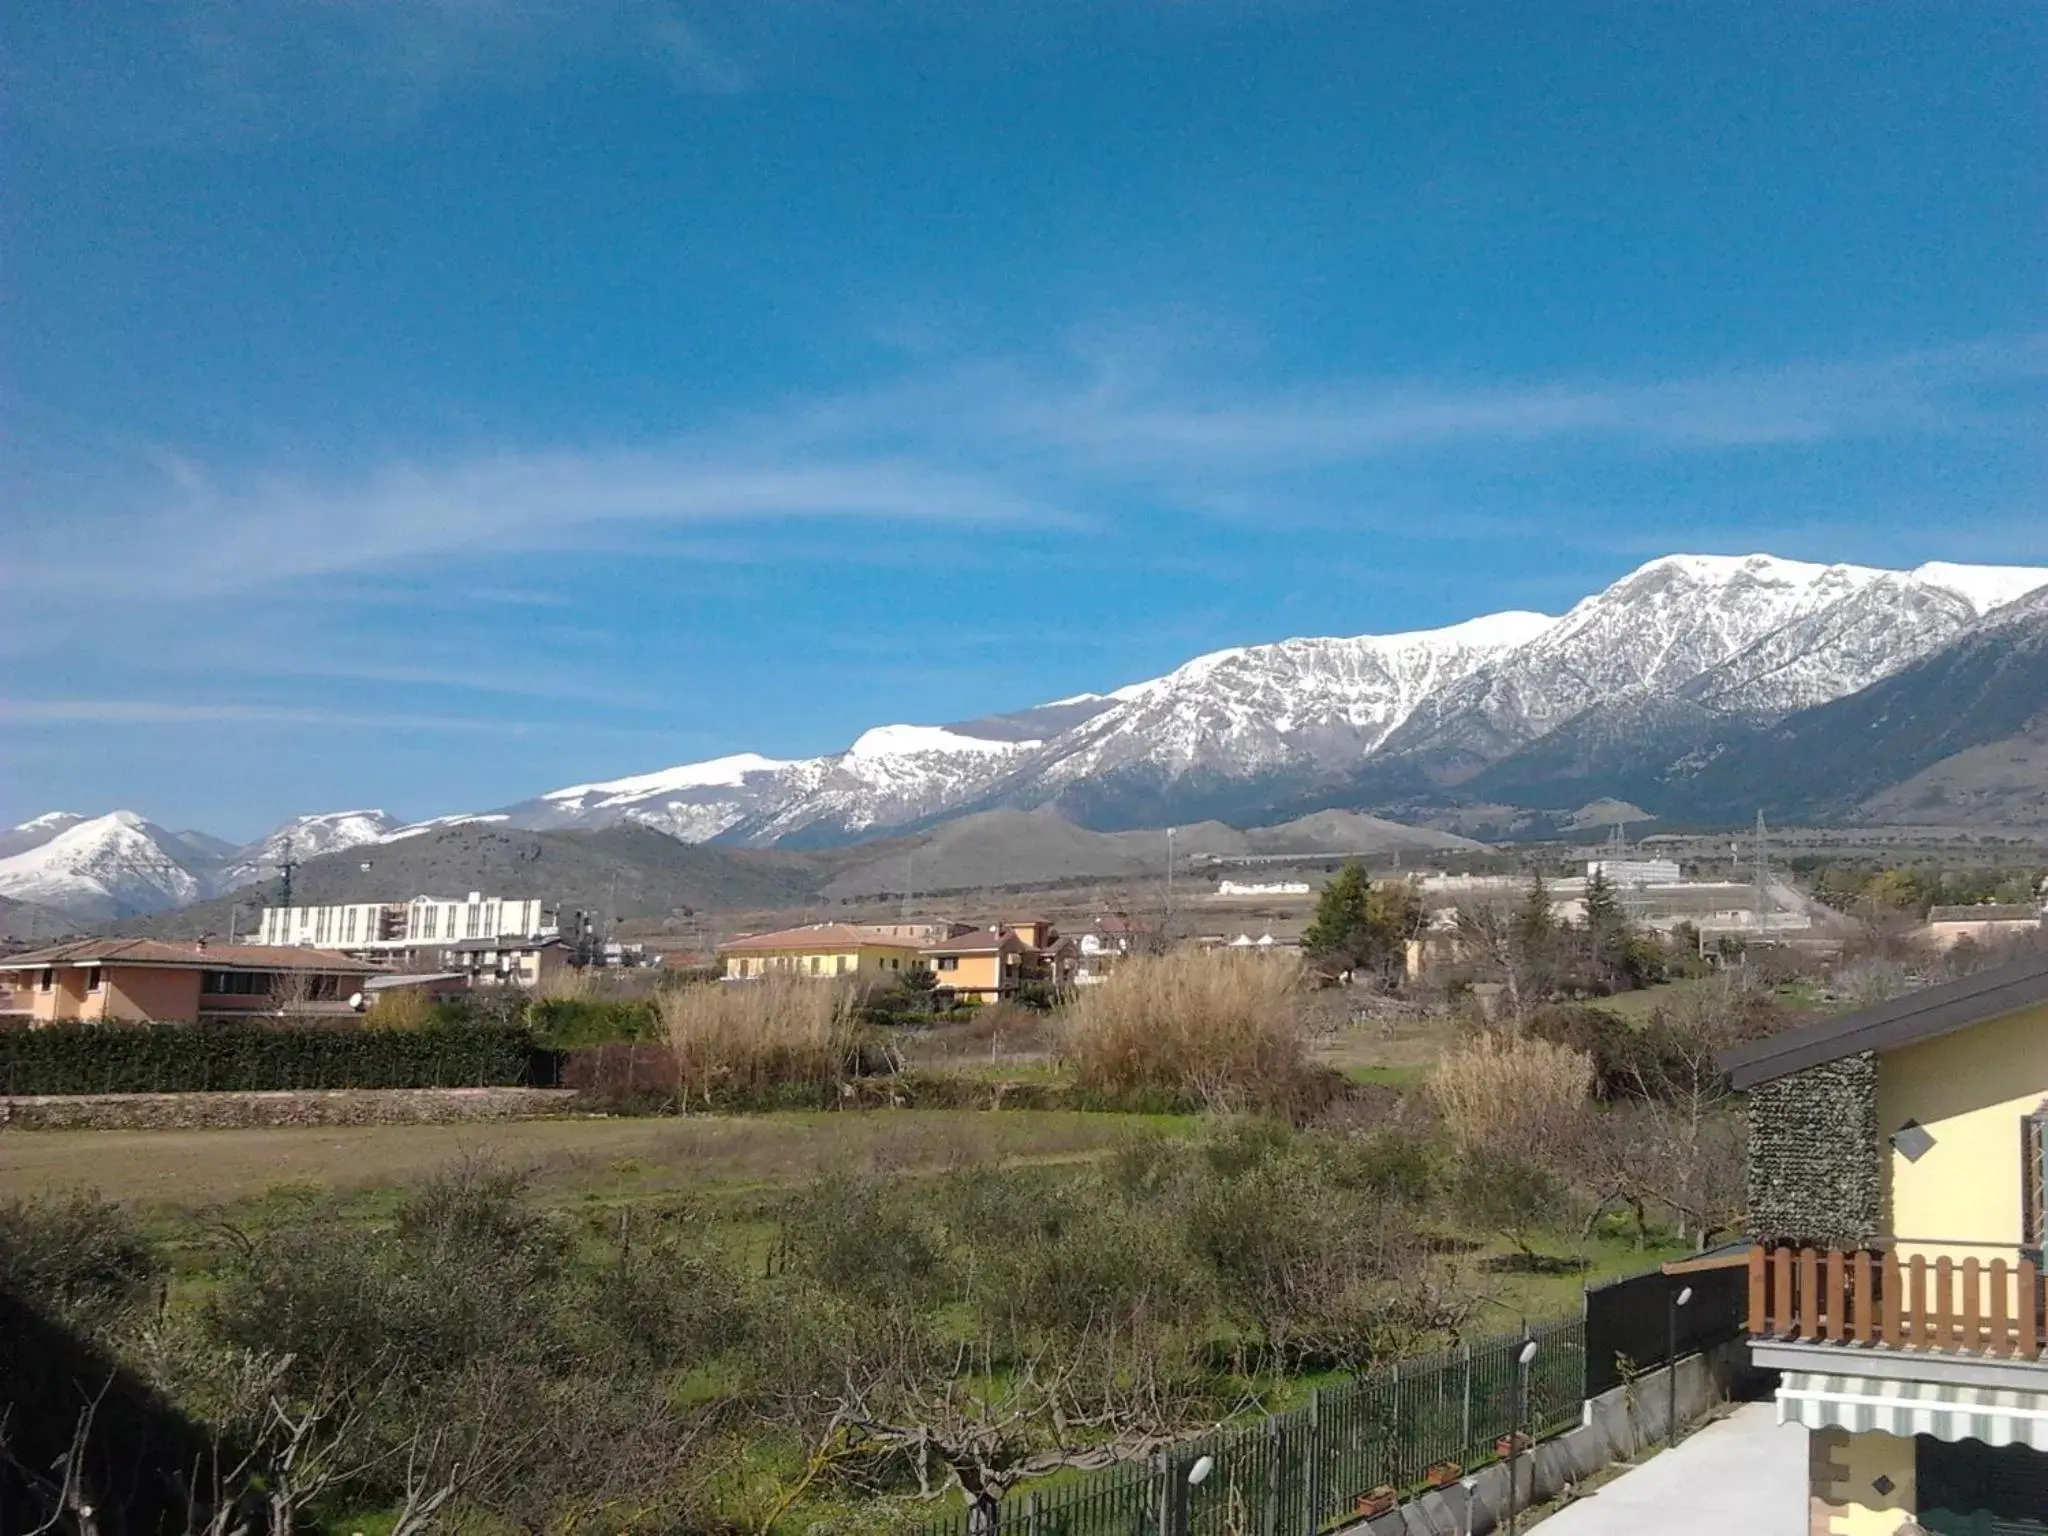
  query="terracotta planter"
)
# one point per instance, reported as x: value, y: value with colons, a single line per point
x: 1443, y: 1474
x: 1510, y: 1445
x: 1375, y: 1501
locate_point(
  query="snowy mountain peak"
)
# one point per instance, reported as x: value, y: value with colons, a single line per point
x: 904, y: 740
x: 302, y: 838
x: 1984, y: 587
x: 108, y: 866
x: 50, y: 821
x: 715, y: 772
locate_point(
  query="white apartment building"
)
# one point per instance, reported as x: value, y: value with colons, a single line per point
x: 1634, y: 872
x: 390, y: 927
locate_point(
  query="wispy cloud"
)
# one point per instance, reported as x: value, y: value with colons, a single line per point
x: 232, y: 533
x: 962, y: 449
x: 150, y: 712
x: 212, y: 70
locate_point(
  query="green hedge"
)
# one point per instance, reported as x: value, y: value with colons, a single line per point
x: 199, y: 1058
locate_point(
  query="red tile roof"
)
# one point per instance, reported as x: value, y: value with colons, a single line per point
x: 195, y: 956
x: 819, y: 936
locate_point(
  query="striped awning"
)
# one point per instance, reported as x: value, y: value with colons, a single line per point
x: 1994, y: 1415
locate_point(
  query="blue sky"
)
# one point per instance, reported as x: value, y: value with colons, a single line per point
x: 428, y: 402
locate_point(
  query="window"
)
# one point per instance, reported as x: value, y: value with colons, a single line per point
x: 47, y: 980
x: 839, y: 965
x: 350, y: 936
x: 236, y: 983
x: 946, y: 963
x: 93, y: 978
x: 2034, y: 1182
x: 474, y: 922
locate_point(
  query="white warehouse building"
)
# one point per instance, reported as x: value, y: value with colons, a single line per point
x: 1634, y: 872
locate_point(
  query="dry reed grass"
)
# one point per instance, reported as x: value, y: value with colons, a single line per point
x: 1225, y: 1029
x: 566, y: 984
x: 746, y: 1039
x: 401, y: 1008
x: 1512, y: 1095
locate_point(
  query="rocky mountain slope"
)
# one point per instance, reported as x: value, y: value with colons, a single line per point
x: 1958, y: 738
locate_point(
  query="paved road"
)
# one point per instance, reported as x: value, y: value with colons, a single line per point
x: 1745, y: 1476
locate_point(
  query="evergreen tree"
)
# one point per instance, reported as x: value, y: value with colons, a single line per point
x: 1360, y: 925
x: 1603, y: 912
x: 1342, y: 917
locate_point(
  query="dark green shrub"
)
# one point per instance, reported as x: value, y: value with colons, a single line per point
x: 222, y: 1058
x: 564, y: 1023
x: 75, y: 1257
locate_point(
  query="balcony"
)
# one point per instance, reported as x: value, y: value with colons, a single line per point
x: 1991, y: 1310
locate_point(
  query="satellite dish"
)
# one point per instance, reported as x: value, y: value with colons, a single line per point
x: 357, y: 1001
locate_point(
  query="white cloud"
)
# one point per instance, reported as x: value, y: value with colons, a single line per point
x: 212, y: 70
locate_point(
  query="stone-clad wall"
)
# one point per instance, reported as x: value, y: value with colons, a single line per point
x: 339, y: 1106
x: 1815, y: 1175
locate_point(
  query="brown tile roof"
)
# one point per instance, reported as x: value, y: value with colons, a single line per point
x: 982, y: 941
x: 819, y: 936
x: 210, y: 957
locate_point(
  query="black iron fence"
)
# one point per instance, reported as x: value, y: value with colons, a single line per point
x: 1353, y: 1448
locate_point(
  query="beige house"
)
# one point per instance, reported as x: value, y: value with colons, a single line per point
x: 150, y: 980
x: 1984, y: 923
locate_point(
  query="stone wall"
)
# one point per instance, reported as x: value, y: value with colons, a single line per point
x: 1816, y: 1178
x: 340, y: 1106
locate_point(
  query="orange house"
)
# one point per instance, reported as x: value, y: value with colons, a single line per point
x: 148, y: 980
x: 990, y: 963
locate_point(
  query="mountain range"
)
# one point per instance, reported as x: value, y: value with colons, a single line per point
x: 1699, y: 688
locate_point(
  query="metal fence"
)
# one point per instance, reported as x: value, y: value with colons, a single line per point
x: 1300, y: 1472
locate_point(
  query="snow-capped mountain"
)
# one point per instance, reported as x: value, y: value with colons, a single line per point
x: 1686, y: 657
x: 891, y: 775
x: 1752, y: 634
x: 301, y: 838
x: 117, y: 865
x: 1267, y: 730
x: 1257, y: 708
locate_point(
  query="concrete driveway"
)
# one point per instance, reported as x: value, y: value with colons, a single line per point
x: 1746, y: 1475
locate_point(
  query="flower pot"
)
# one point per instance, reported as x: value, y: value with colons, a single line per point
x: 1510, y: 1445
x: 1443, y: 1474
x: 1375, y: 1501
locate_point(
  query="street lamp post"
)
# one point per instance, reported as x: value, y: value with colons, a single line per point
x: 1678, y: 1300
x: 1523, y: 1361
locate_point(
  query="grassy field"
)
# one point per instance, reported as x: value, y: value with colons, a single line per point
x: 571, y: 1159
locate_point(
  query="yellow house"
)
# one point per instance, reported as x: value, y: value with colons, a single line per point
x: 823, y: 950
x: 1896, y: 1192
x: 148, y: 980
